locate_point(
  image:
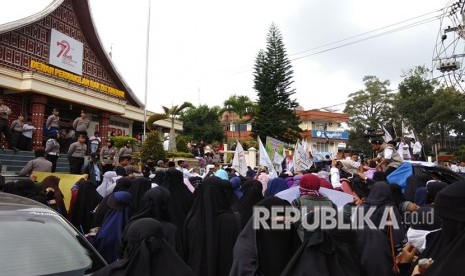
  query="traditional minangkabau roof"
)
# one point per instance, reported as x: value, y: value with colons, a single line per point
x: 82, y: 9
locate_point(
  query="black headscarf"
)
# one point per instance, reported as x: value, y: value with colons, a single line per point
x: 154, y: 204
x: 25, y: 188
x: 211, y: 229
x: 137, y: 189
x: 147, y: 253
x: 446, y: 247
x: 87, y: 199
x: 397, y: 195
x: 375, y: 244
x: 413, y: 183
x: 181, y: 198
x: 252, y: 194
x: 159, y: 176
x: 432, y: 189
x: 326, y: 252
x: 264, y: 252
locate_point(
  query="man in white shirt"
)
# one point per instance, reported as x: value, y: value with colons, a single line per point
x: 166, y: 144
x: 334, y: 173
x: 416, y: 149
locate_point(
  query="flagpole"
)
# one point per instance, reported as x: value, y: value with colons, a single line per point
x: 146, y: 73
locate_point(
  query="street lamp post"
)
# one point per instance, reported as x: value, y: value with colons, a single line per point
x: 147, y: 47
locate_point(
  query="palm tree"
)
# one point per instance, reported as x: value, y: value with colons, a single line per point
x: 240, y: 105
x: 170, y: 113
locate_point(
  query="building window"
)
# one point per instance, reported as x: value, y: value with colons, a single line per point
x: 237, y: 127
x: 322, y: 147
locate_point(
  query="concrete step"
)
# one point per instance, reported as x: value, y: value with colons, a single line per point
x: 12, y: 162
x: 17, y: 169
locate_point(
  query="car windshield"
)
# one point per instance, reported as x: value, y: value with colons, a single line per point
x: 36, y: 241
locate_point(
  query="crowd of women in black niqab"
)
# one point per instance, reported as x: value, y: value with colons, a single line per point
x: 160, y: 227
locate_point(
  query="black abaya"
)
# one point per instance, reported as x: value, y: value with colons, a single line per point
x: 252, y: 194
x: 413, y: 183
x: 266, y: 252
x: 326, y: 253
x: 87, y: 199
x: 147, y: 253
x: 375, y: 244
x: 446, y: 246
x: 211, y: 229
x: 137, y: 189
x: 181, y: 198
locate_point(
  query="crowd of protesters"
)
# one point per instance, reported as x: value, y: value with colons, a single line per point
x: 172, y: 220
x: 169, y: 219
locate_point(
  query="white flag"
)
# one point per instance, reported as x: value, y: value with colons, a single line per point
x: 239, y: 164
x: 265, y: 160
x: 278, y: 161
x: 387, y: 137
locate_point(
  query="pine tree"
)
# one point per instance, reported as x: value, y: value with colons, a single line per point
x: 276, y: 115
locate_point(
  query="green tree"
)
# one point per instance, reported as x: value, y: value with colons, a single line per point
x: 369, y: 108
x: 273, y: 80
x: 170, y: 113
x: 203, y: 123
x: 240, y: 105
x: 414, y: 100
x: 152, y: 146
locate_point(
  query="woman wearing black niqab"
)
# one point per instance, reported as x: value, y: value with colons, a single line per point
x: 326, y: 253
x: 181, y: 198
x: 413, y: 183
x: 147, y: 252
x: 264, y: 251
x: 154, y: 204
x: 252, y: 194
x: 375, y: 244
x: 86, y: 201
x: 211, y: 229
x: 137, y: 189
x: 446, y: 246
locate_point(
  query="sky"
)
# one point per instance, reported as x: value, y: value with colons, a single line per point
x: 204, y: 51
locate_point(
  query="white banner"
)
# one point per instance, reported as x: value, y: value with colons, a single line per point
x: 265, y: 160
x: 302, y: 159
x: 65, y: 52
x: 239, y: 164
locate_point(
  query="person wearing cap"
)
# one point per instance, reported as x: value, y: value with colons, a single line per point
x: 125, y: 151
x: 4, y: 127
x: 39, y: 164
x: 17, y: 130
x: 94, y: 169
x: 53, y: 121
x: 52, y: 148
x: 76, y: 153
x: 81, y: 124
x: 108, y: 156
x: 149, y: 167
x: 387, y: 155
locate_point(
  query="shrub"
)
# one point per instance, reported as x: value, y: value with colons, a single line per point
x: 181, y: 144
x: 179, y: 154
x: 152, y: 146
x: 120, y: 141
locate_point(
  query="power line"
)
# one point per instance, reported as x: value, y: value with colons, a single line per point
x: 365, y: 33
x: 371, y: 37
x: 401, y: 28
